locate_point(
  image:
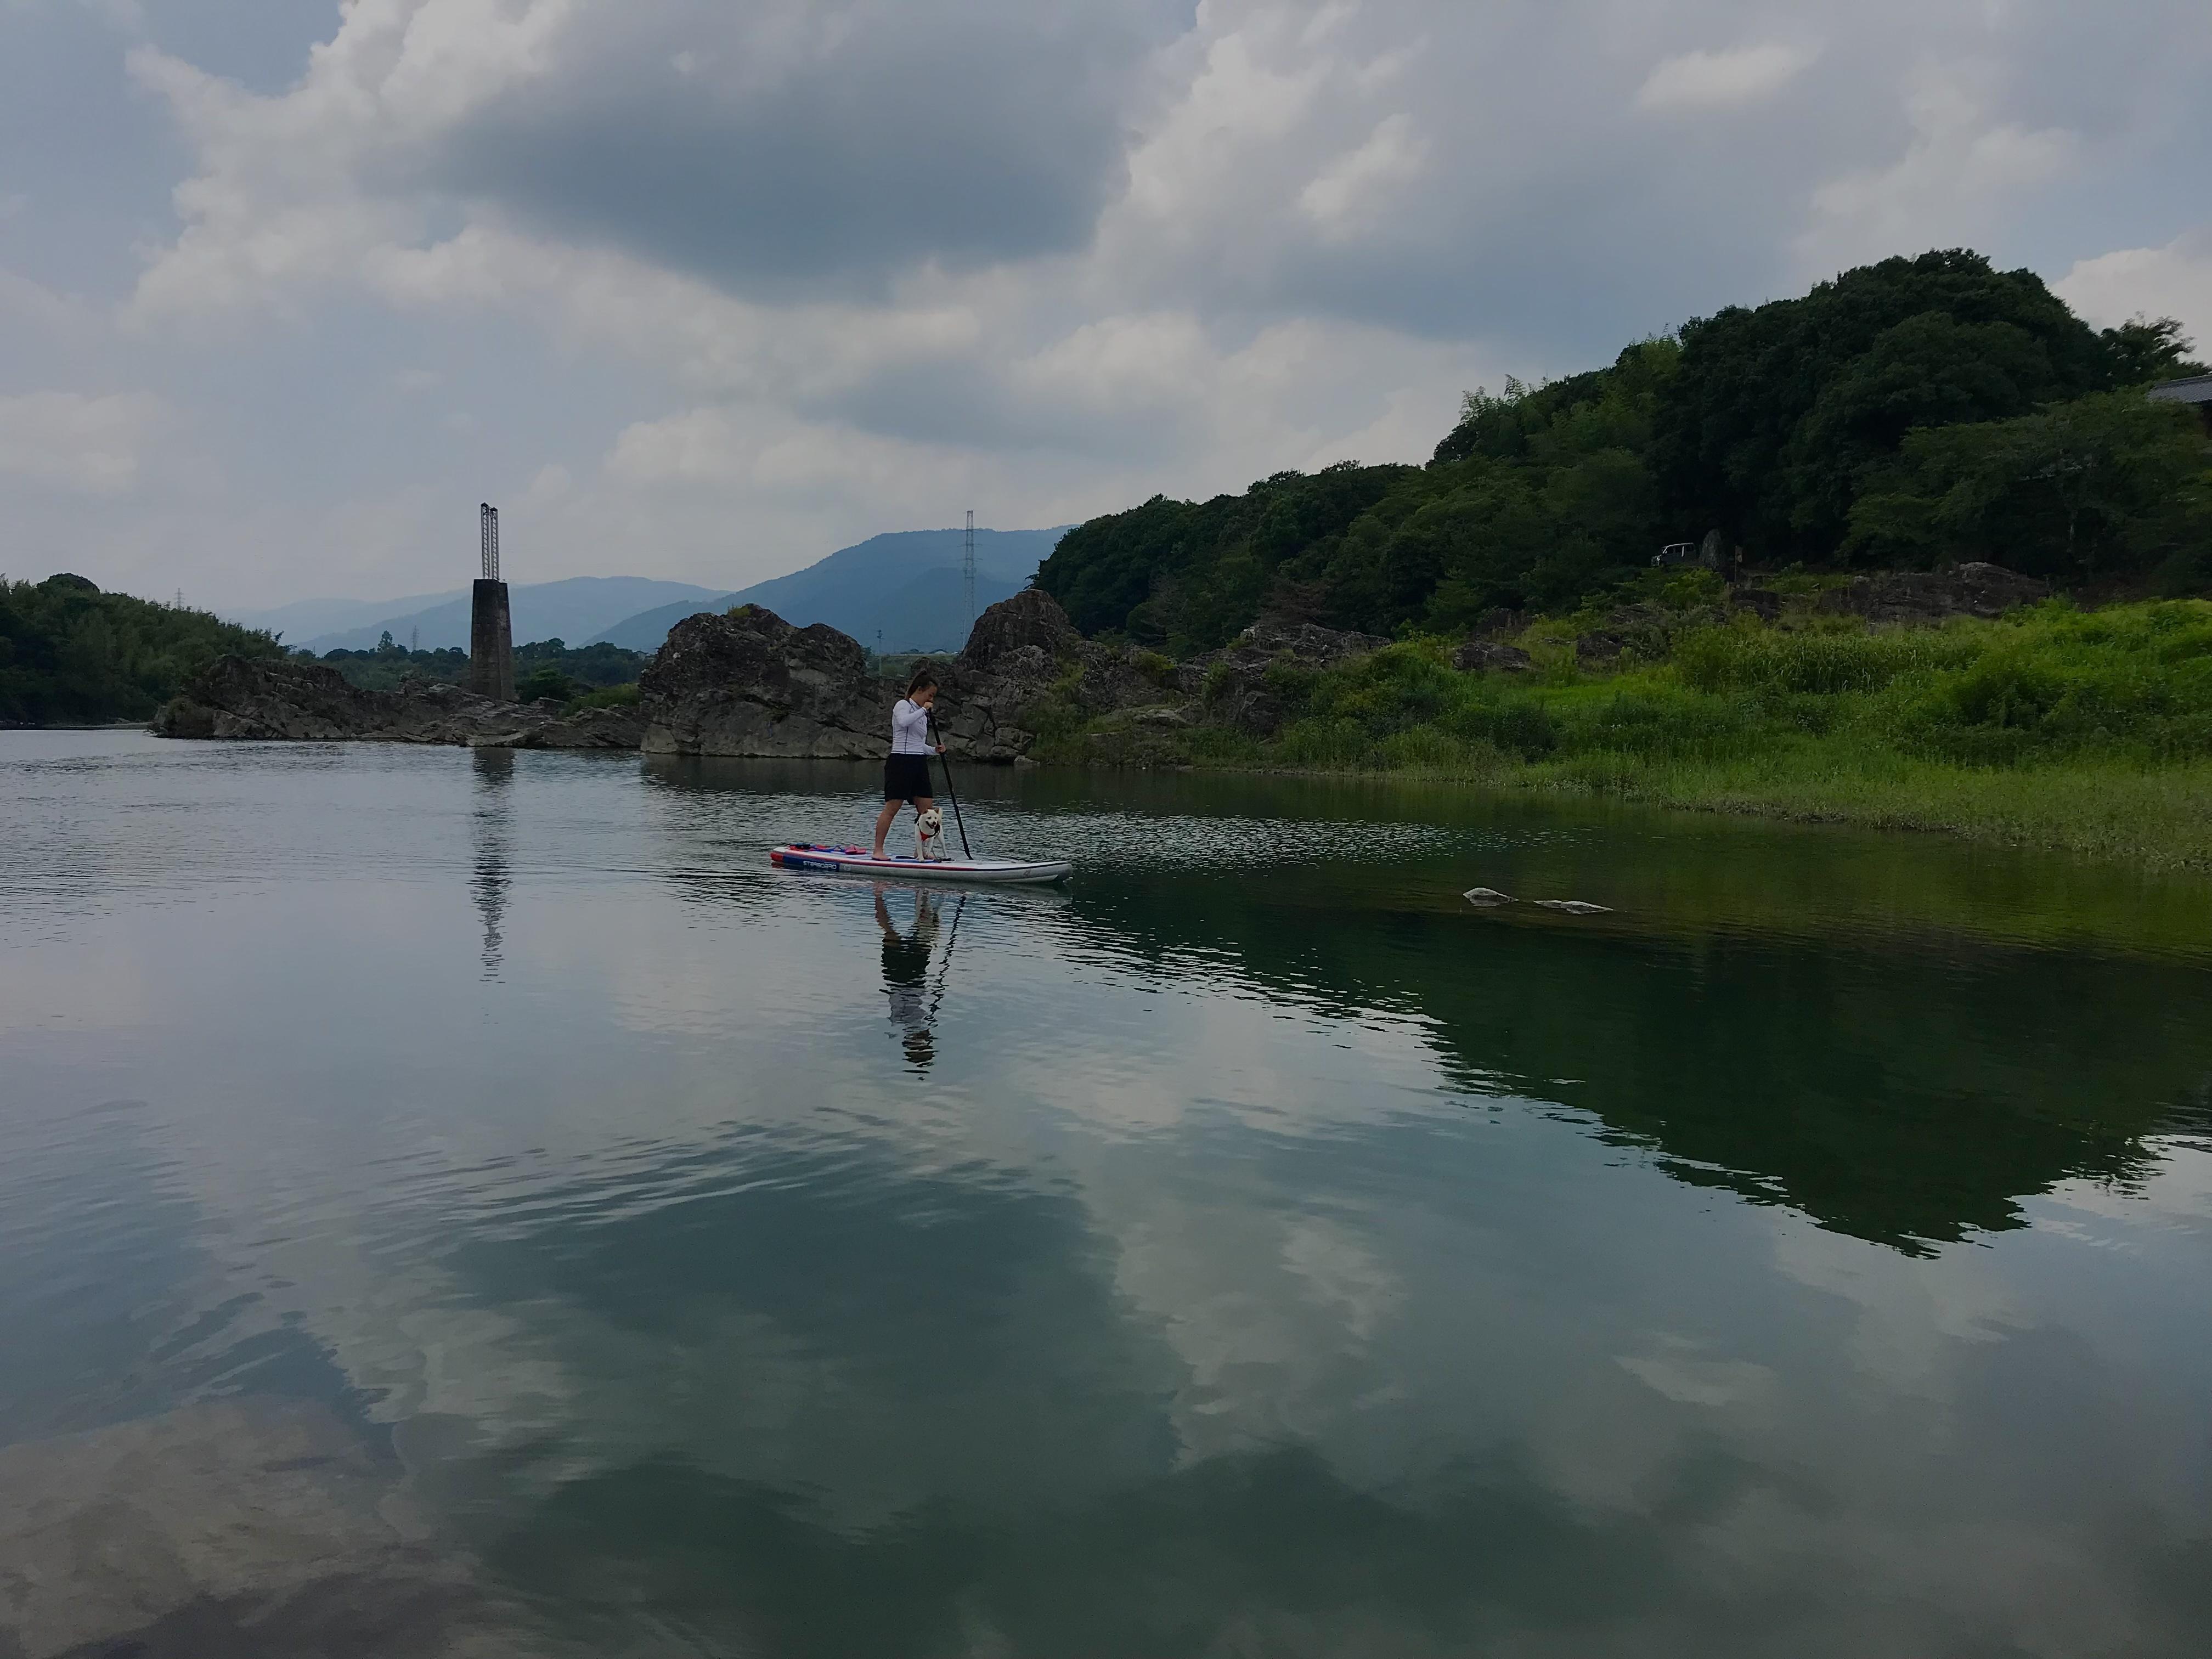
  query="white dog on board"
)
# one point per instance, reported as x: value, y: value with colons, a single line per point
x: 929, y: 835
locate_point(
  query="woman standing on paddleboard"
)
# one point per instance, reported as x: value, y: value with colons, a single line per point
x: 906, y: 771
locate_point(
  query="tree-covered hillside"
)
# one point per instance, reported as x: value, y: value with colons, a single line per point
x: 72, y: 654
x: 1904, y: 413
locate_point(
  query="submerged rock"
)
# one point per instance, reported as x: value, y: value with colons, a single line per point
x: 285, y: 698
x: 249, y: 1527
x: 1571, y: 907
x: 1486, y: 896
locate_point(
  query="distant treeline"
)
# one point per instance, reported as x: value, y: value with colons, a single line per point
x: 71, y: 655
x: 1905, y: 414
x: 544, y: 668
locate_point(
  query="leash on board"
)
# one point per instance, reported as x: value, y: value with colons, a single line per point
x: 953, y: 794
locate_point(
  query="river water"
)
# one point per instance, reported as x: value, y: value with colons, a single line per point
x: 1250, y: 1248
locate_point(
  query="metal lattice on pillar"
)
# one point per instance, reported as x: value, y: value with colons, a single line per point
x: 487, y: 526
x: 967, y: 568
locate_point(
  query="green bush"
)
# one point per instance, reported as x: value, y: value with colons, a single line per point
x: 69, y: 653
x: 612, y: 696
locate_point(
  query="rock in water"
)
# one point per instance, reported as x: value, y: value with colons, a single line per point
x: 1571, y: 907
x: 284, y: 697
x: 1486, y: 896
x: 249, y: 1527
x: 748, y: 683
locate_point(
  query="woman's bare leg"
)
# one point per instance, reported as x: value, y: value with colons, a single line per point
x: 921, y: 803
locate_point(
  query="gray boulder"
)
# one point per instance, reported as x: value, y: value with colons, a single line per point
x: 1598, y: 650
x: 748, y: 683
x: 1020, y: 636
x: 1480, y: 656
x: 1922, y: 597
x: 284, y: 698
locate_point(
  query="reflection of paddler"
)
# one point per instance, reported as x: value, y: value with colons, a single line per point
x: 906, y: 973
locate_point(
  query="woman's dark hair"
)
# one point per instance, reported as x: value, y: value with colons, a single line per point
x: 922, y: 680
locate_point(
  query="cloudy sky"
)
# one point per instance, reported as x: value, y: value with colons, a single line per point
x: 705, y: 289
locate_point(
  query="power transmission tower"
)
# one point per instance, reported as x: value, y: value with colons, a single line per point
x: 968, y: 567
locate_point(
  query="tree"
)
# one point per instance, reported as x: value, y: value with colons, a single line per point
x: 2140, y: 351
x: 1731, y: 443
x: 2112, y: 483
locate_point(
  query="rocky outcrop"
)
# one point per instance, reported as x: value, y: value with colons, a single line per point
x: 1491, y: 656
x: 1599, y: 649
x: 1921, y: 596
x: 1021, y: 637
x: 285, y: 698
x: 1232, y: 684
x: 748, y: 683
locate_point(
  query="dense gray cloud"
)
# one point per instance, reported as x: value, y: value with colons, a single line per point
x: 703, y: 291
x: 792, y: 144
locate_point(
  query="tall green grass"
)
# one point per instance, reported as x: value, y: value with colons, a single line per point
x: 2085, y: 730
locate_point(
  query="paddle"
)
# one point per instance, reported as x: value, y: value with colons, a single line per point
x: 950, y: 793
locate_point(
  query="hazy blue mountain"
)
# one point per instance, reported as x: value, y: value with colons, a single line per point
x: 904, y: 584
x: 572, y: 610
x: 305, y: 618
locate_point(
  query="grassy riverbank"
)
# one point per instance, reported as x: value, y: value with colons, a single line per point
x: 2088, y: 731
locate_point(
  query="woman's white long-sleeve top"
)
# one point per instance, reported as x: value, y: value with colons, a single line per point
x: 909, y: 728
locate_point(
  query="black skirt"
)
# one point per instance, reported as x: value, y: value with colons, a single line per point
x: 906, y: 777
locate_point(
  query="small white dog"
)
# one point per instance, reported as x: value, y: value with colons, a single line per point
x: 929, y: 835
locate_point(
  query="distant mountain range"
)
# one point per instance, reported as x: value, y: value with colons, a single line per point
x: 571, y: 610
x: 308, y: 618
x: 897, y: 592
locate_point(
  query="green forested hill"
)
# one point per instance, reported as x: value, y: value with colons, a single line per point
x: 1903, y: 414
x: 70, y: 653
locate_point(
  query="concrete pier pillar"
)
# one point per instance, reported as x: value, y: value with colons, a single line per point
x: 491, y: 643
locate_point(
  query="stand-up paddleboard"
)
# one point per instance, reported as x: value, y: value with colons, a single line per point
x: 858, y: 862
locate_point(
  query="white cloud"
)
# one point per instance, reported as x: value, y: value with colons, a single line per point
x: 1724, y: 80
x: 2172, y: 280
x: 71, y: 442
x: 1354, y: 188
x: 1962, y: 171
x: 1122, y: 246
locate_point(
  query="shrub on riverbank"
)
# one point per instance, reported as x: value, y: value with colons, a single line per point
x: 2090, y: 730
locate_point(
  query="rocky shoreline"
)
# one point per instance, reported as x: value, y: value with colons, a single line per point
x: 747, y: 684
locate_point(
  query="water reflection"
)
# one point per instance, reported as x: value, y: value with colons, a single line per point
x: 1274, y: 1260
x: 490, y: 823
x: 907, y: 955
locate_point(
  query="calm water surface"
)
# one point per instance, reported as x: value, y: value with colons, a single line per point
x: 1248, y: 1248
